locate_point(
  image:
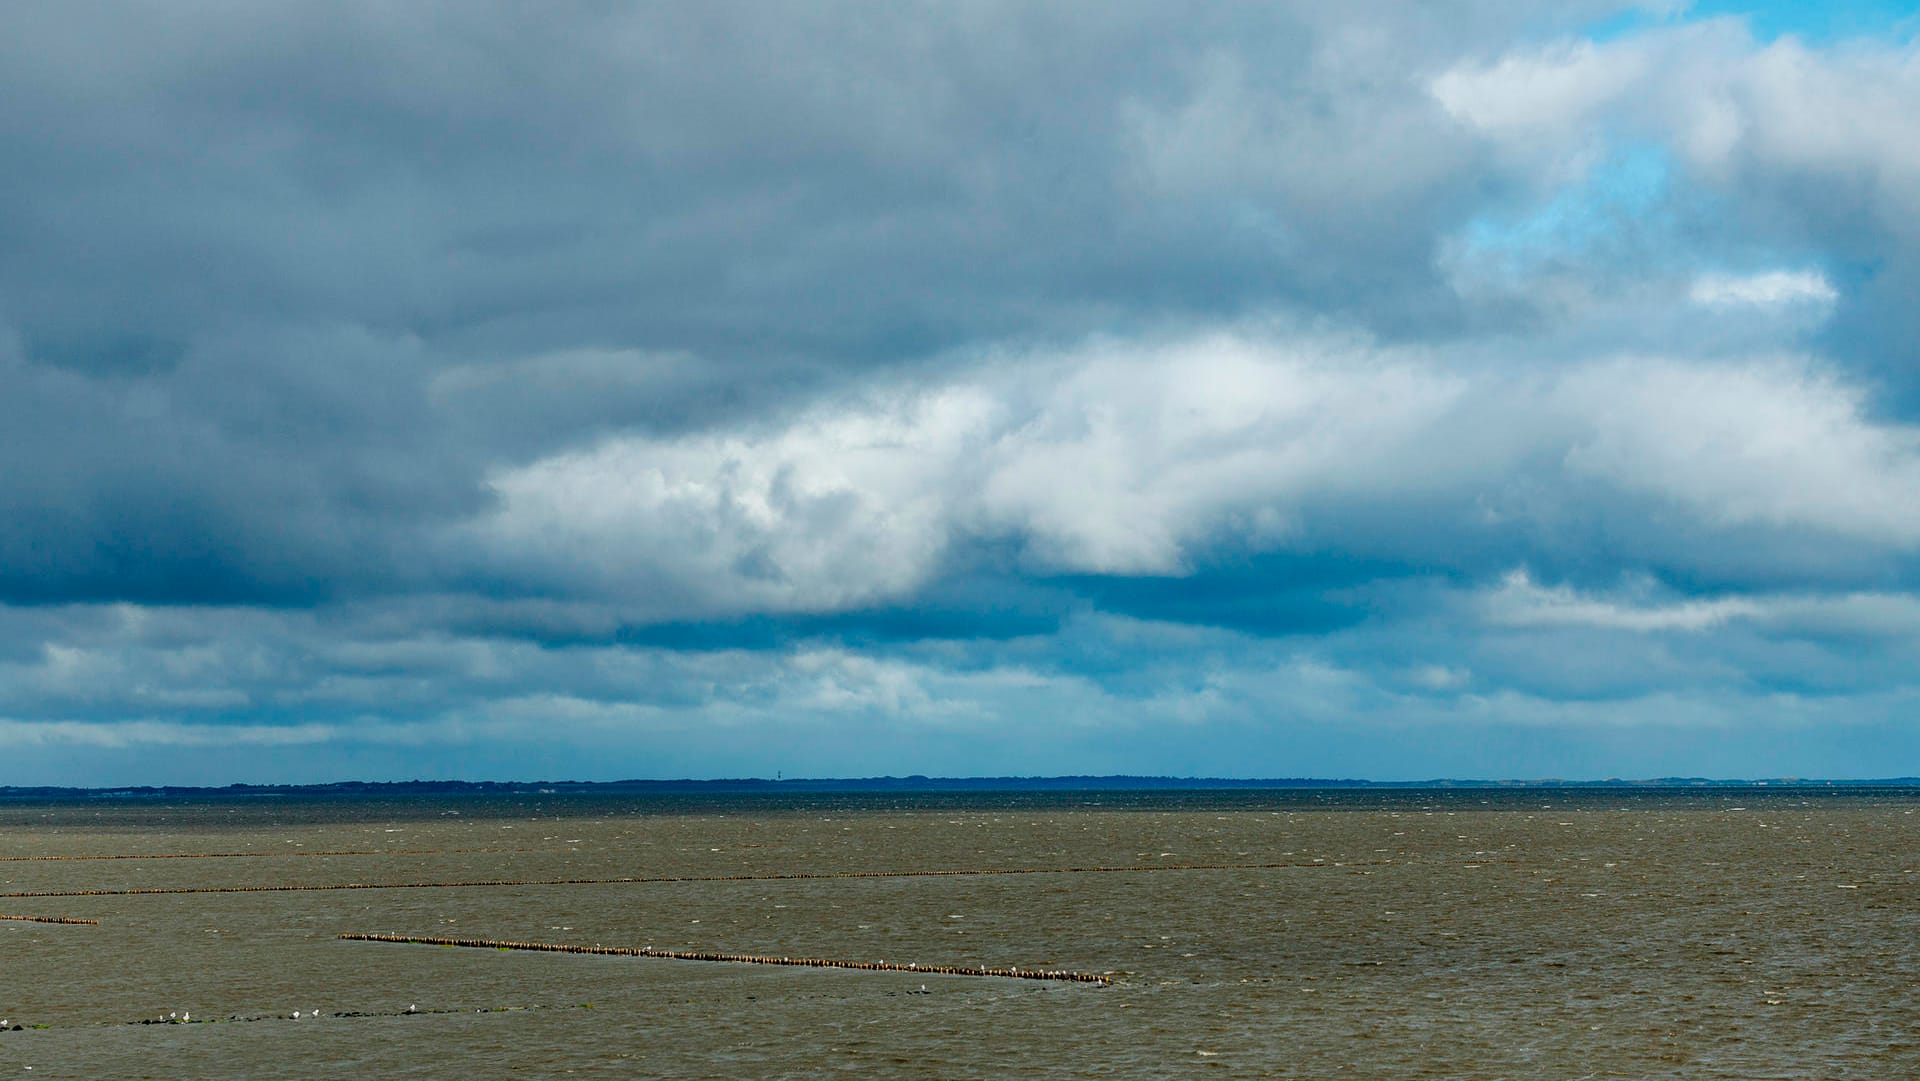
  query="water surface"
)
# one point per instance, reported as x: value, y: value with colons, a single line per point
x: 1460, y: 934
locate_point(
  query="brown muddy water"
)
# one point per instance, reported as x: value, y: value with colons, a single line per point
x: 1415, y: 934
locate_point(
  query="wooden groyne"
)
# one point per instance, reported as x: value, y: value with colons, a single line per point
x: 632, y: 880
x: 255, y: 855
x: 739, y: 958
x: 52, y: 919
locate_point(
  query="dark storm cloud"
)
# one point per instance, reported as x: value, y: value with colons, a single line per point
x: 271, y: 466
x: 284, y: 283
x: 867, y: 180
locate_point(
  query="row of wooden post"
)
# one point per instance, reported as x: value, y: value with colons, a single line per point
x: 742, y: 958
x: 244, y: 855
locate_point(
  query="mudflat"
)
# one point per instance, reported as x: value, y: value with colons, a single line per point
x: 1538, y: 933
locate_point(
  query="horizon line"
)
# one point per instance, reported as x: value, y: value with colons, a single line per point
x: 925, y: 783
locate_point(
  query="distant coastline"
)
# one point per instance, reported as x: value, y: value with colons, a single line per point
x: 916, y: 783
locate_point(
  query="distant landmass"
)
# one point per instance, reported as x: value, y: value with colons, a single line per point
x: 916, y: 783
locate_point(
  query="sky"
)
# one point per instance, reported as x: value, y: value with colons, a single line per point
x: 1283, y: 389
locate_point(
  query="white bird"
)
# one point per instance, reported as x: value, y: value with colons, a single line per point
x: 185, y: 1017
x: 296, y: 1015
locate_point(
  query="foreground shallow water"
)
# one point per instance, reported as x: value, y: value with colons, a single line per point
x: 1460, y: 934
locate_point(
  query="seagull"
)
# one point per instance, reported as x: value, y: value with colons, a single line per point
x: 412, y: 1008
x: 186, y: 1017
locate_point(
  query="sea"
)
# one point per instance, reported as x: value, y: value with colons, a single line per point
x: 1524, y: 933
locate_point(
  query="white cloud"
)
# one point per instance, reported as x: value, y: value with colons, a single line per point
x: 1834, y: 123
x: 165, y: 733
x: 1439, y: 677
x: 842, y: 507
x: 1520, y: 602
x: 1641, y: 606
x: 1842, y: 113
x: 1779, y: 443
x: 1771, y: 289
x: 1131, y: 454
x: 1112, y: 459
x: 1547, y: 92
x: 1121, y: 458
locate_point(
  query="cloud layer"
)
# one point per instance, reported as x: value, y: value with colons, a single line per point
x: 1497, y: 390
